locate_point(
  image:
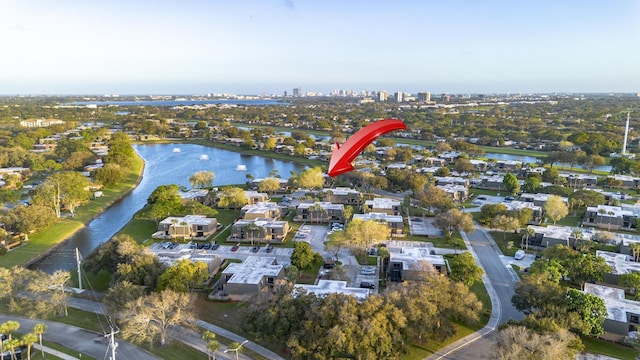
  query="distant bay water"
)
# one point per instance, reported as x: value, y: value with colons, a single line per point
x: 170, y: 103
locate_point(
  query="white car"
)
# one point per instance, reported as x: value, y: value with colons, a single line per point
x: 520, y: 254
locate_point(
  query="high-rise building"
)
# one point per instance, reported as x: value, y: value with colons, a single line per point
x: 398, y: 96
x: 285, y: 93
x: 424, y: 96
x: 297, y: 92
x: 382, y: 95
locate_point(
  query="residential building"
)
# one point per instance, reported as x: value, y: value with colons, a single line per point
x: 256, y: 274
x: 395, y: 223
x: 580, y: 180
x: 328, y: 287
x: 200, y: 195
x: 343, y: 195
x: 610, y: 217
x: 256, y: 197
x: 623, y: 316
x: 284, y: 184
x: 410, y: 263
x: 479, y: 165
x: 538, y: 199
x: 398, y: 96
x: 494, y: 182
x: 259, y: 230
x: 188, y: 227
x: 536, y: 215
x: 549, y: 236
x: 620, y: 264
x: 170, y: 257
x: 451, y: 180
x: 625, y: 181
x: 424, y: 96
x: 261, y: 210
x: 457, y: 192
x: 32, y: 123
x: 320, y: 212
x: 508, y: 165
x: 434, y: 161
x: 383, y: 205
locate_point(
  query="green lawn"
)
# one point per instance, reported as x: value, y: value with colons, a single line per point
x: 614, y: 350
x: 43, y: 240
x: 139, y: 229
x: 502, y: 240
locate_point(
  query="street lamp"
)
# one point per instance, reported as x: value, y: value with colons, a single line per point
x: 236, y: 349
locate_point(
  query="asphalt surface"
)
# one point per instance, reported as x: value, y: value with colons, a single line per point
x: 80, y: 340
x: 500, y: 280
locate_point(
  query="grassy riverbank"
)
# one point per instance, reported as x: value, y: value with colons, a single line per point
x: 44, y: 240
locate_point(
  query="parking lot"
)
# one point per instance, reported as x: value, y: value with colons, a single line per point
x: 424, y: 226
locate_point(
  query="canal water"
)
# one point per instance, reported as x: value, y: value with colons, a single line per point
x: 164, y: 164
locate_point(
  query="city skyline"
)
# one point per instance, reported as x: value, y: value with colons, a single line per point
x: 253, y: 47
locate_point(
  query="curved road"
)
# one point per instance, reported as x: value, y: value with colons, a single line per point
x: 499, y: 280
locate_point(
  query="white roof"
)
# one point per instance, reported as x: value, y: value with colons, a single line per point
x: 193, y: 193
x: 620, y: 263
x: 379, y: 217
x: 411, y: 257
x: 264, y: 223
x: 252, y: 270
x: 324, y: 205
x: 616, y: 211
x: 250, y: 193
x: 617, y: 306
x: 327, y: 287
x: 189, y: 219
x: 518, y: 205
x: 382, y: 203
x: 260, y: 207
x: 342, y: 191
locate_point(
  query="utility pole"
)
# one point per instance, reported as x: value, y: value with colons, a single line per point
x: 79, y: 261
x: 112, y: 342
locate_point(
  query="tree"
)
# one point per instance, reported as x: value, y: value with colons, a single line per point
x: 303, y: 256
x: 12, y: 345
x: 269, y: 144
x: 454, y: 220
x: 490, y: 211
x: 212, y: 344
x: 120, y: 294
x: 109, y: 175
x: 183, y: 276
x: 39, y: 330
x: 620, y: 165
x: 269, y: 185
x: 505, y: 223
x: 27, y: 219
x: 77, y: 160
x: 148, y: 318
x: 555, y: 208
x: 232, y: 197
x: 635, y: 251
x: 364, y: 234
x: 591, y: 309
x: 337, y: 241
x: 68, y: 188
x: 432, y: 197
x: 550, y: 174
x: 592, y: 161
x: 311, y: 179
x: 252, y: 228
x: 631, y: 281
x: 519, y: 342
x: 465, y: 269
x: 463, y: 165
x: 202, y: 179
x: 9, y: 327
x: 531, y: 184
x: 29, y: 339
x: 511, y: 184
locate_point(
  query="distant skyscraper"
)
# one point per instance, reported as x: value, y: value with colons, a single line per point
x: 445, y: 97
x: 398, y: 96
x: 285, y: 93
x: 297, y: 92
x: 424, y: 96
x: 382, y: 95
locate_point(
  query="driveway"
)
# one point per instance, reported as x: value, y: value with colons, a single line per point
x: 424, y: 226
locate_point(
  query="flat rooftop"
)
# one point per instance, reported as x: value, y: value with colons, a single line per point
x: 382, y: 203
x: 193, y: 193
x: 411, y: 257
x: 379, y: 217
x: 342, y: 191
x: 252, y: 270
x: 260, y: 207
x: 617, y: 306
x: 620, y: 263
x: 327, y: 287
x: 265, y: 223
x: 324, y: 205
x: 189, y: 219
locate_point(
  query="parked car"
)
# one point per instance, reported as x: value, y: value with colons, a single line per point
x: 520, y: 254
x: 367, y: 285
x: 235, y: 247
x: 207, y: 246
x: 255, y: 249
x: 268, y: 248
x: 368, y: 271
x: 214, y: 246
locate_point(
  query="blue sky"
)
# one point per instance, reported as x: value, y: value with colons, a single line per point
x: 256, y: 46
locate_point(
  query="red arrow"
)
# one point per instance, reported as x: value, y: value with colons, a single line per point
x: 342, y: 156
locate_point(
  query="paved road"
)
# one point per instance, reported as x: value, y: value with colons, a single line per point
x: 80, y: 340
x: 499, y: 280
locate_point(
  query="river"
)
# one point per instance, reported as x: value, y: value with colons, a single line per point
x: 164, y: 164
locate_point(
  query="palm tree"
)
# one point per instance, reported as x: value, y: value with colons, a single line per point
x: 577, y: 235
x: 9, y: 327
x: 610, y: 213
x: 635, y: 250
x: 12, y: 345
x: 212, y: 344
x: 527, y: 233
x: 251, y: 228
x: 39, y: 330
x: 29, y: 339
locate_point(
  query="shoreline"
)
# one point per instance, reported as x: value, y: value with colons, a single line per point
x: 63, y: 241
